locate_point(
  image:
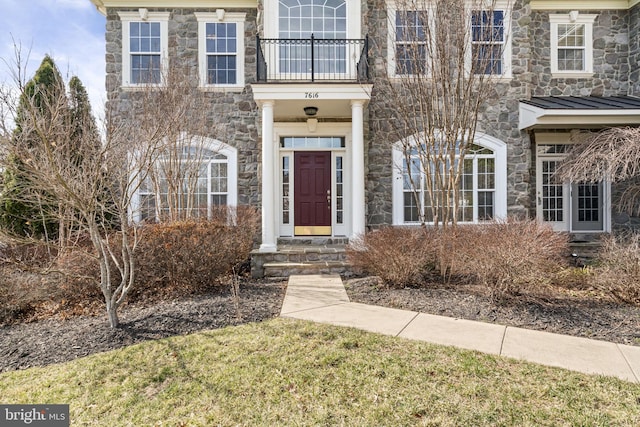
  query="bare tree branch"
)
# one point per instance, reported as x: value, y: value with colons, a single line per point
x: 438, y: 86
x: 612, y: 155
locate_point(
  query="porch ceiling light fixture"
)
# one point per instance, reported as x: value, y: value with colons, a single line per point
x: 310, y: 111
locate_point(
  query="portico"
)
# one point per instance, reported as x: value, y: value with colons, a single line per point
x: 312, y: 166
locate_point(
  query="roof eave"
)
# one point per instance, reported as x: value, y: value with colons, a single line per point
x: 102, y: 5
x: 99, y: 4
x: 532, y: 118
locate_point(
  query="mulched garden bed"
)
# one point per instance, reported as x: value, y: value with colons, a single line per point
x: 57, y: 340
x: 573, y: 312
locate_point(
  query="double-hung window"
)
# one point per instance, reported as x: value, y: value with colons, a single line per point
x: 410, y: 42
x: 144, y: 47
x: 412, y: 32
x: 221, y: 49
x: 488, y: 41
x: 571, y: 44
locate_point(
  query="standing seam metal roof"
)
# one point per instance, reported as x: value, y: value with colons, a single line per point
x: 585, y: 102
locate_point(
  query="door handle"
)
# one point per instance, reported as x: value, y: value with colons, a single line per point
x: 328, y: 199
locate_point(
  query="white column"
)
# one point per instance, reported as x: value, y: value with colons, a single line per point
x: 357, y: 169
x: 269, y: 243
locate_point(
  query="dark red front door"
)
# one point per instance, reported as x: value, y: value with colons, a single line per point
x: 312, y: 193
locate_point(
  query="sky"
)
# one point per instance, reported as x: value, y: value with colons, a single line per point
x: 70, y: 31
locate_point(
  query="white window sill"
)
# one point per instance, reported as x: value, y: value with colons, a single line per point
x: 138, y: 88
x: 572, y: 75
x: 399, y: 78
x: 213, y: 88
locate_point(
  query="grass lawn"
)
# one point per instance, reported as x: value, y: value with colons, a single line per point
x: 286, y: 372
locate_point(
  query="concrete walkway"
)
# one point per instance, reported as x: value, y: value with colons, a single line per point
x: 322, y: 298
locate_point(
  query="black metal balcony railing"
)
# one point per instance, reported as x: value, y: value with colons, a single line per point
x: 313, y: 59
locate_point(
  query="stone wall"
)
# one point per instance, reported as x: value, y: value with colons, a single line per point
x: 233, y: 116
x: 531, y: 76
x: 634, y: 50
x: 610, y: 57
x: 498, y: 119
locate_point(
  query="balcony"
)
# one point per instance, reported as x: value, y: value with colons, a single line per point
x: 313, y: 60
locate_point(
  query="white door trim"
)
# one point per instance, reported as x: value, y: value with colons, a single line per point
x: 566, y: 224
x: 344, y: 130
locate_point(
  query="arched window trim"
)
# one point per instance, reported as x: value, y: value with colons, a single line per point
x: 207, y: 145
x: 354, y: 18
x: 499, y: 149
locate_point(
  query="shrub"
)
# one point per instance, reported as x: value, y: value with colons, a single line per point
x: 28, y: 254
x: 617, y: 269
x: 34, y: 284
x: 512, y: 255
x: 399, y: 256
x: 192, y: 255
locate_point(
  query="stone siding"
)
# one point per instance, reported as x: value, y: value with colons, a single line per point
x: 610, y: 57
x: 634, y: 50
x: 238, y: 121
x: 498, y: 119
x: 234, y: 117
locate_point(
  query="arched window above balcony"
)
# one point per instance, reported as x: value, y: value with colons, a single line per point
x: 325, y: 19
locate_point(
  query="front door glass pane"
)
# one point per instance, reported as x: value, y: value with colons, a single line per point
x: 587, y: 207
x: 552, y: 193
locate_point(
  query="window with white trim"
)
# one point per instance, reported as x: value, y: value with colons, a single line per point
x: 488, y: 34
x: 572, y: 43
x: 144, y: 47
x: 488, y: 41
x: 410, y: 42
x: 221, y: 49
x: 209, y: 181
x: 481, y: 189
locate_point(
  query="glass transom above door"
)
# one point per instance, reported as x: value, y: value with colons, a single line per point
x: 299, y: 142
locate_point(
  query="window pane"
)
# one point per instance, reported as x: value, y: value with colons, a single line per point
x: 487, y: 59
x: 134, y: 29
x: 221, y: 69
x: 145, y: 68
x: 218, y: 200
x: 145, y: 29
x: 411, y: 59
x: 410, y: 208
x: 571, y: 35
x: 485, y: 206
x: 571, y: 59
x: 487, y: 32
x: 155, y: 29
x: 410, y: 25
x: 476, y: 187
